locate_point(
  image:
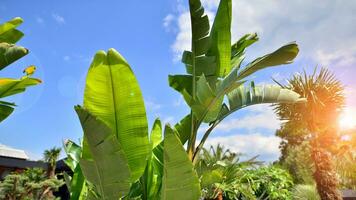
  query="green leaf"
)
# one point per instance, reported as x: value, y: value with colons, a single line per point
x: 283, y: 55
x: 156, y: 133
x: 67, y: 180
x: 181, y: 82
x: 113, y: 95
x: 10, y: 86
x: 183, y: 128
x: 9, y: 53
x: 73, y: 152
x: 200, y: 28
x: 78, y: 189
x: 201, y: 42
x: 8, y: 33
x: 203, y: 64
x: 180, y: 180
x: 108, y: 170
x: 251, y: 95
x: 5, y: 111
x: 221, y: 38
x: 209, y: 102
x: 238, y: 49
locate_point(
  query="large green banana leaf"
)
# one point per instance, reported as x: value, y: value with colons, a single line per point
x: 283, y: 55
x: 180, y: 180
x: 108, y: 170
x: 113, y: 95
x: 10, y: 86
x: 151, y: 180
x: 251, y: 95
x: 248, y: 95
x: 238, y: 49
x: 209, y: 99
x: 195, y: 60
x: 221, y: 38
x: 8, y: 31
x: 156, y: 133
x: 9, y: 53
x: 5, y: 111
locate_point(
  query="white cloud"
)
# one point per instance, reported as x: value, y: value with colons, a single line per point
x: 183, y: 37
x: 258, y: 117
x: 59, y: 19
x: 266, y: 146
x: 167, y: 22
x: 151, y: 105
x: 323, y: 29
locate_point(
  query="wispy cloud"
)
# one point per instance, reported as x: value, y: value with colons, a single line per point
x: 257, y: 117
x: 167, y: 22
x: 152, y: 105
x: 279, y: 22
x: 58, y: 18
x: 266, y: 146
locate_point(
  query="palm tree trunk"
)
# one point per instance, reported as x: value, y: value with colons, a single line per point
x: 324, y: 175
x: 51, y: 173
x: 220, y: 195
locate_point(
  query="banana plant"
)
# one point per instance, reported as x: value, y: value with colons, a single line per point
x: 10, y: 53
x: 117, y: 158
x: 216, y: 83
x: 120, y: 160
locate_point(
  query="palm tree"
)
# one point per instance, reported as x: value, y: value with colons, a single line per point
x: 325, y: 99
x: 51, y: 157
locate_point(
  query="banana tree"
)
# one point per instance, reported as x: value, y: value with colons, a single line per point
x: 216, y: 83
x: 119, y: 159
x: 10, y: 53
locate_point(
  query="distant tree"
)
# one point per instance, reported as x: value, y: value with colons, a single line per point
x: 32, y: 184
x: 318, y: 120
x: 51, y: 156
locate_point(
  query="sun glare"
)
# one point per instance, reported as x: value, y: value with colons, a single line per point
x: 347, y: 120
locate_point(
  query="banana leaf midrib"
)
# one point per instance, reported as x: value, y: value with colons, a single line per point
x: 113, y: 98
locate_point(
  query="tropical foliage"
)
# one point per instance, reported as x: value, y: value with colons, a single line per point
x: 9, y: 53
x: 224, y: 176
x: 118, y: 158
x: 316, y: 122
x: 30, y: 184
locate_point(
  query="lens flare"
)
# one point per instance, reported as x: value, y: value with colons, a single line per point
x: 348, y: 119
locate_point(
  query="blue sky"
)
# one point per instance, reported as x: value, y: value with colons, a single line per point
x: 62, y: 36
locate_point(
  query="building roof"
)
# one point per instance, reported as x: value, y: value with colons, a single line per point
x: 21, y: 164
x: 10, y: 152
